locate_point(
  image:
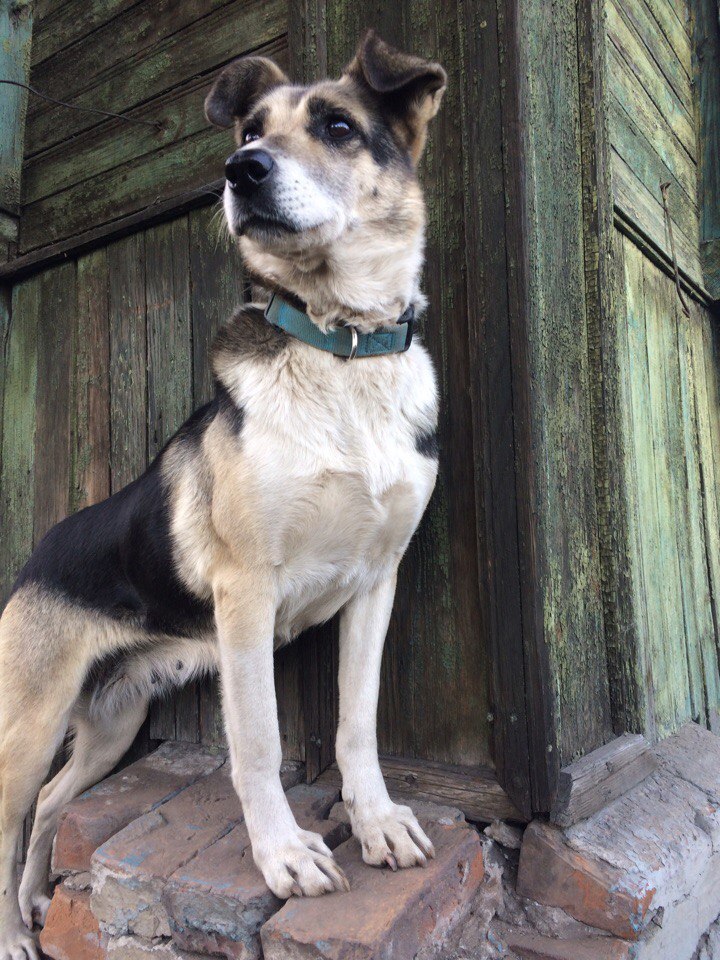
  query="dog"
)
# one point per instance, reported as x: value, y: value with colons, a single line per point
x: 288, y: 498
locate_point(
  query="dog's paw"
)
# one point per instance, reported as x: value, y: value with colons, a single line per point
x: 301, y: 866
x: 16, y: 943
x: 34, y: 907
x: 392, y: 837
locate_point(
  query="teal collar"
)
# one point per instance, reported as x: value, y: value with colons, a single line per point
x: 344, y: 341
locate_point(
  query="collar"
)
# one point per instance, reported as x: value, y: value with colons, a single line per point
x: 344, y: 341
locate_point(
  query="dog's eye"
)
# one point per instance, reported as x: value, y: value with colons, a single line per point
x: 252, y: 133
x: 339, y: 128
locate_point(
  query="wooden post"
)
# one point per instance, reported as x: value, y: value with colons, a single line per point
x: 15, y: 38
x: 706, y: 57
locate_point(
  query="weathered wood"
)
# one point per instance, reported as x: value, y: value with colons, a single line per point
x: 18, y: 455
x: 707, y: 78
x: 491, y: 394
x: 560, y: 426
x: 474, y: 790
x: 58, y: 25
x: 16, y: 19
x: 595, y: 780
x: 91, y: 403
x: 673, y: 30
x: 128, y: 360
x: 167, y: 290
x: 56, y: 329
x: 238, y: 26
x: 90, y: 239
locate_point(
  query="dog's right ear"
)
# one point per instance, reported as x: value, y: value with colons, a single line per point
x: 239, y: 87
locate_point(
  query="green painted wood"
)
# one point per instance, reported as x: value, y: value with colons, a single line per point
x: 5, y: 315
x: 53, y: 446
x: 169, y: 356
x: 673, y: 30
x: 645, y: 210
x: 649, y: 76
x: 647, y: 30
x: 707, y: 78
x: 702, y: 540
x: 650, y: 121
x: 639, y: 155
x: 91, y: 401
x: 560, y: 426
x: 199, y: 47
x: 17, y: 487
x: 16, y: 18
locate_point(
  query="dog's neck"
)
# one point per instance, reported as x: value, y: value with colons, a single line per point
x: 348, y: 282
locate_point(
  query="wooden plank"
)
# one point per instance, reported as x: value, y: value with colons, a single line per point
x: 90, y: 239
x: 58, y: 25
x: 648, y: 77
x: 216, y: 288
x: 18, y: 436
x: 650, y: 122
x: 651, y: 34
x: 707, y: 78
x: 595, y: 780
x: 491, y: 393
x: 121, y: 35
x: 646, y: 211
x: 234, y: 28
x: 657, y: 641
x: 169, y: 358
x: 674, y: 29
x: 630, y: 144
x: 566, y: 543
x: 5, y: 315
x: 115, y: 142
x: 15, y: 38
x: 670, y: 562
x: 91, y: 456
x: 474, y: 790
x: 128, y: 360
x: 53, y: 456
x: 703, y: 543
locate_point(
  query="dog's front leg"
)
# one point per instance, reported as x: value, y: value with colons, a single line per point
x: 388, y: 833
x: 293, y: 861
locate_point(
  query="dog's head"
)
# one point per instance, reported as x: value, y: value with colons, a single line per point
x: 334, y: 161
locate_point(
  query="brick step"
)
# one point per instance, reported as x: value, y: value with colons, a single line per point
x: 156, y: 862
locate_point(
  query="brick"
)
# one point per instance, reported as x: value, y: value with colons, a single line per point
x: 135, y: 948
x: 591, y: 890
x: 219, y: 901
x: 129, y: 872
x: 71, y: 931
x: 385, y: 914
x: 101, y: 812
x: 425, y: 812
x: 531, y: 946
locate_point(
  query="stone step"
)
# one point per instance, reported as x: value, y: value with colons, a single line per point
x: 71, y: 932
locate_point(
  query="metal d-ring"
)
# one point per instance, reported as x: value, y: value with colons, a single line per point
x: 354, y: 343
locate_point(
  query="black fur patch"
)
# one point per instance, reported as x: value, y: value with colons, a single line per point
x: 427, y: 444
x: 116, y: 556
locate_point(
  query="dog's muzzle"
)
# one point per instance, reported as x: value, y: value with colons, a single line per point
x: 247, y: 170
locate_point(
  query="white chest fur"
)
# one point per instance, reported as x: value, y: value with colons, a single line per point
x: 328, y: 481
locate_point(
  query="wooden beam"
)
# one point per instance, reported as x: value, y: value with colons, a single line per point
x: 15, y: 36
x: 594, y: 781
x: 706, y: 69
x: 475, y: 790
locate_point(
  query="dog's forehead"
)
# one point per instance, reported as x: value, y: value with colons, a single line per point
x: 290, y: 104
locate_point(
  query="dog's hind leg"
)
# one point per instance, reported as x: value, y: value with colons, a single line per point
x: 99, y: 743
x: 41, y: 675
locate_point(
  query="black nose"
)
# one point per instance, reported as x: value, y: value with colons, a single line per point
x: 247, y: 169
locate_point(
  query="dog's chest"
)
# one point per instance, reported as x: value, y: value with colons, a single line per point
x: 338, y: 482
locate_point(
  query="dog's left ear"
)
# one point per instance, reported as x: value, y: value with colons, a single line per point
x: 411, y: 88
x: 239, y: 87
